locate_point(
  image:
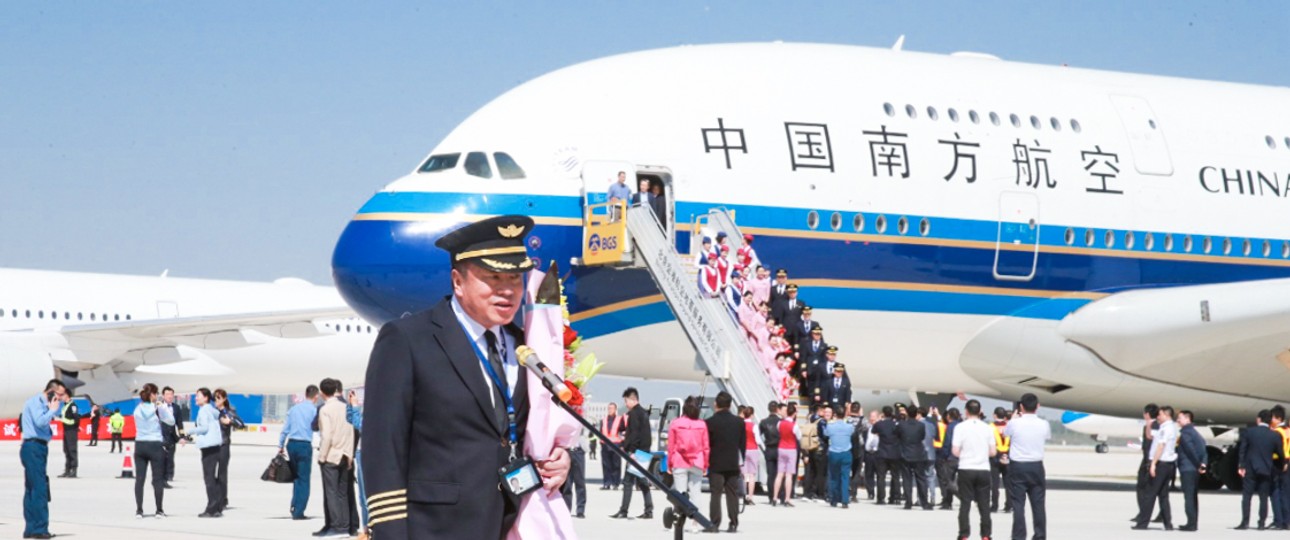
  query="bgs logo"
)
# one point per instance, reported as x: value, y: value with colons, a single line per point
x: 595, y: 243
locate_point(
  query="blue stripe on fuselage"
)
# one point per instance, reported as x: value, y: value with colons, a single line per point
x: 386, y: 268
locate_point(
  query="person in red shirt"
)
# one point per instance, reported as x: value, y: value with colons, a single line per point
x: 786, y: 460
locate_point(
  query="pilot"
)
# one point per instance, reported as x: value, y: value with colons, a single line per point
x: 452, y: 402
x: 779, y: 289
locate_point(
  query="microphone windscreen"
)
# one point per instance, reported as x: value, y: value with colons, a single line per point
x: 522, y: 353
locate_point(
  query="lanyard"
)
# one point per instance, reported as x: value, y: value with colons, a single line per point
x: 506, y: 397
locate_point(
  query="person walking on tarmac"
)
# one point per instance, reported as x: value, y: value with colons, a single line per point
x: 96, y: 417
x: 37, y: 413
x: 611, y: 466
x: 116, y: 425
x: 70, y: 418
x: 999, y: 461
x: 638, y: 438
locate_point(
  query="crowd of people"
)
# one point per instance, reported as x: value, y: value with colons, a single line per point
x: 160, y: 431
x: 779, y: 326
x: 899, y: 455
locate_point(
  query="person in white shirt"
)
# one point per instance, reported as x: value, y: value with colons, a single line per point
x: 1164, y: 454
x: 1028, y: 434
x: 974, y: 446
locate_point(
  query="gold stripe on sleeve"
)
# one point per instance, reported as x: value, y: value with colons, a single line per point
x: 375, y: 522
x: 388, y: 511
x: 387, y: 494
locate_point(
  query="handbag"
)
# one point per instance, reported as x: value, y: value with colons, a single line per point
x: 279, y: 471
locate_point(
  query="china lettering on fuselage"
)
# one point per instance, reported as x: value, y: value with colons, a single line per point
x: 810, y: 147
x: 1244, y: 182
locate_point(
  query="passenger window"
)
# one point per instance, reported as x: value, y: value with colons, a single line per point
x: 440, y: 162
x: 507, y: 167
x: 477, y: 165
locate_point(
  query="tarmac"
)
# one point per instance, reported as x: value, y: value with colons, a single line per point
x: 1089, y: 496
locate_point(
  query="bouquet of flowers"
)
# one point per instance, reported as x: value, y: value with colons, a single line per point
x: 578, y: 370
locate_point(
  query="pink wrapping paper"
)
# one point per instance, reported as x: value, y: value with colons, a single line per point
x: 543, y: 514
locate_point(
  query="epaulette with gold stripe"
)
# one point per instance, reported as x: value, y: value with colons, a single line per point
x: 387, y: 506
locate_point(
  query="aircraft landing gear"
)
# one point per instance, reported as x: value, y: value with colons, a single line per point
x: 1101, y: 448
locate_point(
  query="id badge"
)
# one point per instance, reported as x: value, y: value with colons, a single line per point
x: 520, y: 477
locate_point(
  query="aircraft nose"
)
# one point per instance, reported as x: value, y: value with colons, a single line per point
x: 386, y: 268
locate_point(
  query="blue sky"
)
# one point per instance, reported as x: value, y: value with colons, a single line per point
x: 234, y: 139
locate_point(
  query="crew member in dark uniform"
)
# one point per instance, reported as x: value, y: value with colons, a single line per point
x: 437, y: 428
x: 71, y: 421
x: 637, y: 438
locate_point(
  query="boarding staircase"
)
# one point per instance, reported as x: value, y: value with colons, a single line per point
x: 722, y: 350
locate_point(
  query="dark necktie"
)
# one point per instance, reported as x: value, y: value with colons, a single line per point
x: 495, y: 361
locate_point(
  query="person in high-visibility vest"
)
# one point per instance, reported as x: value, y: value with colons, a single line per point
x: 70, y: 418
x: 610, y: 464
x: 116, y: 425
x: 999, y: 462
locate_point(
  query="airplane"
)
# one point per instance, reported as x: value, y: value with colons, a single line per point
x: 960, y: 223
x: 106, y: 335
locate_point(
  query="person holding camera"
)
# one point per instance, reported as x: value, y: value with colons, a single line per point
x: 39, y: 411
x: 151, y: 415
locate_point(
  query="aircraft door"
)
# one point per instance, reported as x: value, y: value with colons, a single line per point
x: 1017, y: 247
x: 1146, y: 137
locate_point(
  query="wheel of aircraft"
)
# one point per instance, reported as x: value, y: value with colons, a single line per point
x: 1102, y: 448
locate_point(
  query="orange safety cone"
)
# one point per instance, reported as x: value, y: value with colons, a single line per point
x: 127, y: 464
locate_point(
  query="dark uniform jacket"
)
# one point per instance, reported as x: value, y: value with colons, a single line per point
x: 840, y: 396
x: 727, y: 440
x: 769, y: 427
x: 800, y: 331
x: 911, y: 434
x: 1260, y: 451
x: 785, y: 315
x: 888, y: 444
x: 638, y: 436
x: 432, y: 442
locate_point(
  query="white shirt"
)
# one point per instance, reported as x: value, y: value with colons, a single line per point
x: 973, y: 439
x: 871, y: 443
x: 505, y: 342
x: 1167, y: 437
x: 1028, y: 435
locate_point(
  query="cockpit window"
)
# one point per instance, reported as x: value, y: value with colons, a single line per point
x: 477, y: 165
x: 440, y: 162
x: 507, y: 167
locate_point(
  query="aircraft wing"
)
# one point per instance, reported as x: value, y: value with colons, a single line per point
x: 131, y: 344
x: 1232, y: 338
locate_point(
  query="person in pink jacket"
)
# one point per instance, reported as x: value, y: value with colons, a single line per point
x: 687, y: 450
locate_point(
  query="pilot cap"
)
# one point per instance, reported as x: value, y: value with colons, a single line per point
x: 833, y: 349
x: 496, y: 243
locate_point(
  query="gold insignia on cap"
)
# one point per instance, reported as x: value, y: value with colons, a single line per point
x: 498, y: 264
x: 510, y: 231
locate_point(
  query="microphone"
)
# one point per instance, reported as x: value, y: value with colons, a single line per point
x: 529, y: 359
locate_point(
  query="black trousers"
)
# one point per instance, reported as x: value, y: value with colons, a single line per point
x: 724, y: 483
x: 210, y: 464
x: 772, y: 469
x: 915, y: 475
x: 946, y: 475
x: 894, y: 466
x: 117, y: 445
x: 1026, y: 481
x: 817, y: 473
x: 149, y: 454
x: 1191, y: 503
x: 1255, y: 483
x: 998, y: 479
x: 577, y: 481
x: 170, y: 460
x: 870, y: 473
x: 71, y: 439
x: 1159, y: 489
x: 630, y: 481
x: 336, y: 494
x: 857, y: 473
x: 974, y: 488
x: 94, y: 433
x: 221, y: 473
x: 1142, y: 489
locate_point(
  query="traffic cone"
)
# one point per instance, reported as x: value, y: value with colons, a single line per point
x: 127, y: 464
